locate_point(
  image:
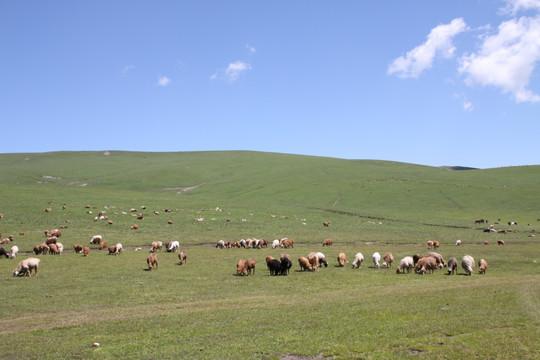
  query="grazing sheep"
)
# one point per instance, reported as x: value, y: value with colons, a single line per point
x: 243, y: 243
x: 275, y: 243
x: 37, y: 250
x: 304, y: 263
x: 482, y: 264
x: 500, y: 242
x: 151, y: 260
x: 430, y: 244
x: 44, y: 249
x: 452, y: 266
x: 286, y: 264
x: 485, y: 242
x: 119, y: 248
x: 86, y: 251
x: 357, y: 263
x: 60, y: 247
x: 313, y: 260
x: 96, y: 240
x: 103, y: 245
x: 112, y: 250
x: 388, y: 260
x: 134, y: 227
x: 14, y: 251
x: 420, y: 264
x: 416, y: 257
x: 3, y: 252
x: 376, y: 257
x: 51, y: 240
x: 458, y: 242
x: 53, y: 232
x: 435, y: 244
x: 78, y: 249
x: 53, y: 249
x: 327, y: 242
x: 26, y: 266
x: 467, y: 263
x: 156, y: 245
x: 429, y: 265
x: 406, y: 263
x: 274, y: 266
x: 322, y: 259
x: 173, y: 246
x: 182, y: 257
x: 250, y: 266
x: 341, y: 259
x: 220, y: 244
x: 440, y: 260
x: 241, y: 267
x: 4, y: 241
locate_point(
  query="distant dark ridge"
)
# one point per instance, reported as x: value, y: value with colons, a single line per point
x: 458, y: 168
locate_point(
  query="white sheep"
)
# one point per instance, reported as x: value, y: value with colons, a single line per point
x: 14, y: 251
x: 173, y: 246
x: 406, y: 263
x: 322, y: 259
x: 25, y: 267
x: 275, y: 243
x: 357, y: 263
x: 220, y: 244
x: 452, y: 266
x: 119, y: 248
x: 96, y: 239
x: 60, y: 247
x: 458, y: 242
x: 376, y: 257
x: 467, y: 263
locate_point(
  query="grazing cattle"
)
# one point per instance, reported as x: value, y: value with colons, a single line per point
x: 151, y: 260
x: 467, y: 263
x: 26, y: 266
x: 341, y: 259
x: 357, y: 263
x: 405, y: 263
x: 250, y: 266
x: 322, y: 259
x: 96, y: 240
x: 3, y: 252
x: 327, y: 242
x: 313, y: 260
x: 500, y: 242
x: 173, y: 246
x: 182, y: 257
x: 286, y: 264
x: 241, y: 267
x: 452, y: 266
x: 86, y: 251
x: 376, y: 257
x: 156, y: 245
x: 482, y: 264
x: 103, y: 245
x: 304, y: 263
x: 388, y: 259
x: 78, y: 249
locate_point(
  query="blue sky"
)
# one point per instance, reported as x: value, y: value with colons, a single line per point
x: 425, y: 82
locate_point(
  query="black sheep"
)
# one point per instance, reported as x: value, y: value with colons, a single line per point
x: 3, y: 252
x: 285, y: 266
x: 274, y: 266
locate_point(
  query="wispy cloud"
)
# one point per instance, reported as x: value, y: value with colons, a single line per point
x: 164, y: 81
x: 507, y: 59
x: 251, y: 49
x: 127, y: 69
x: 514, y: 6
x: 439, y: 42
x: 233, y: 71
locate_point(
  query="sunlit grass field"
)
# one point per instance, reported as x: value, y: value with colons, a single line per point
x: 202, y: 310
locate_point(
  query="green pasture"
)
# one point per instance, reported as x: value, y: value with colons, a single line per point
x: 202, y: 310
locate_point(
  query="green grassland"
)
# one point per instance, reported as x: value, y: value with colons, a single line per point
x: 202, y: 310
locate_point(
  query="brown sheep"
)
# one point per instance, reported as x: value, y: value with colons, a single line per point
x: 103, y: 245
x: 313, y: 261
x: 182, y: 257
x: 53, y: 232
x: 420, y: 263
x: 241, y: 267
x: 53, y: 249
x: 304, y: 263
x: 134, y: 227
x: 327, y: 242
x: 435, y: 244
x: 388, y: 259
x: 342, y: 259
x: 151, y: 260
x: 429, y: 265
x: 268, y: 258
x: 156, y: 245
x: 486, y: 242
x: 112, y: 250
x: 482, y: 263
x: 37, y: 250
x: 250, y: 265
x: 51, y: 240
x: 86, y: 250
x: 326, y: 223
x: 78, y: 249
x: 500, y: 242
x: 44, y: 249
x: 430, y: 244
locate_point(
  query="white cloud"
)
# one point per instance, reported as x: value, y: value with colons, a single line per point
x: 467, y: 105
x: 507, y: 59
x: 513, y: 6
x: 251, y: 49
x: 233, y: 71
x: 127, y: 69
x: 439, y: 42
x: 163, y: 81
